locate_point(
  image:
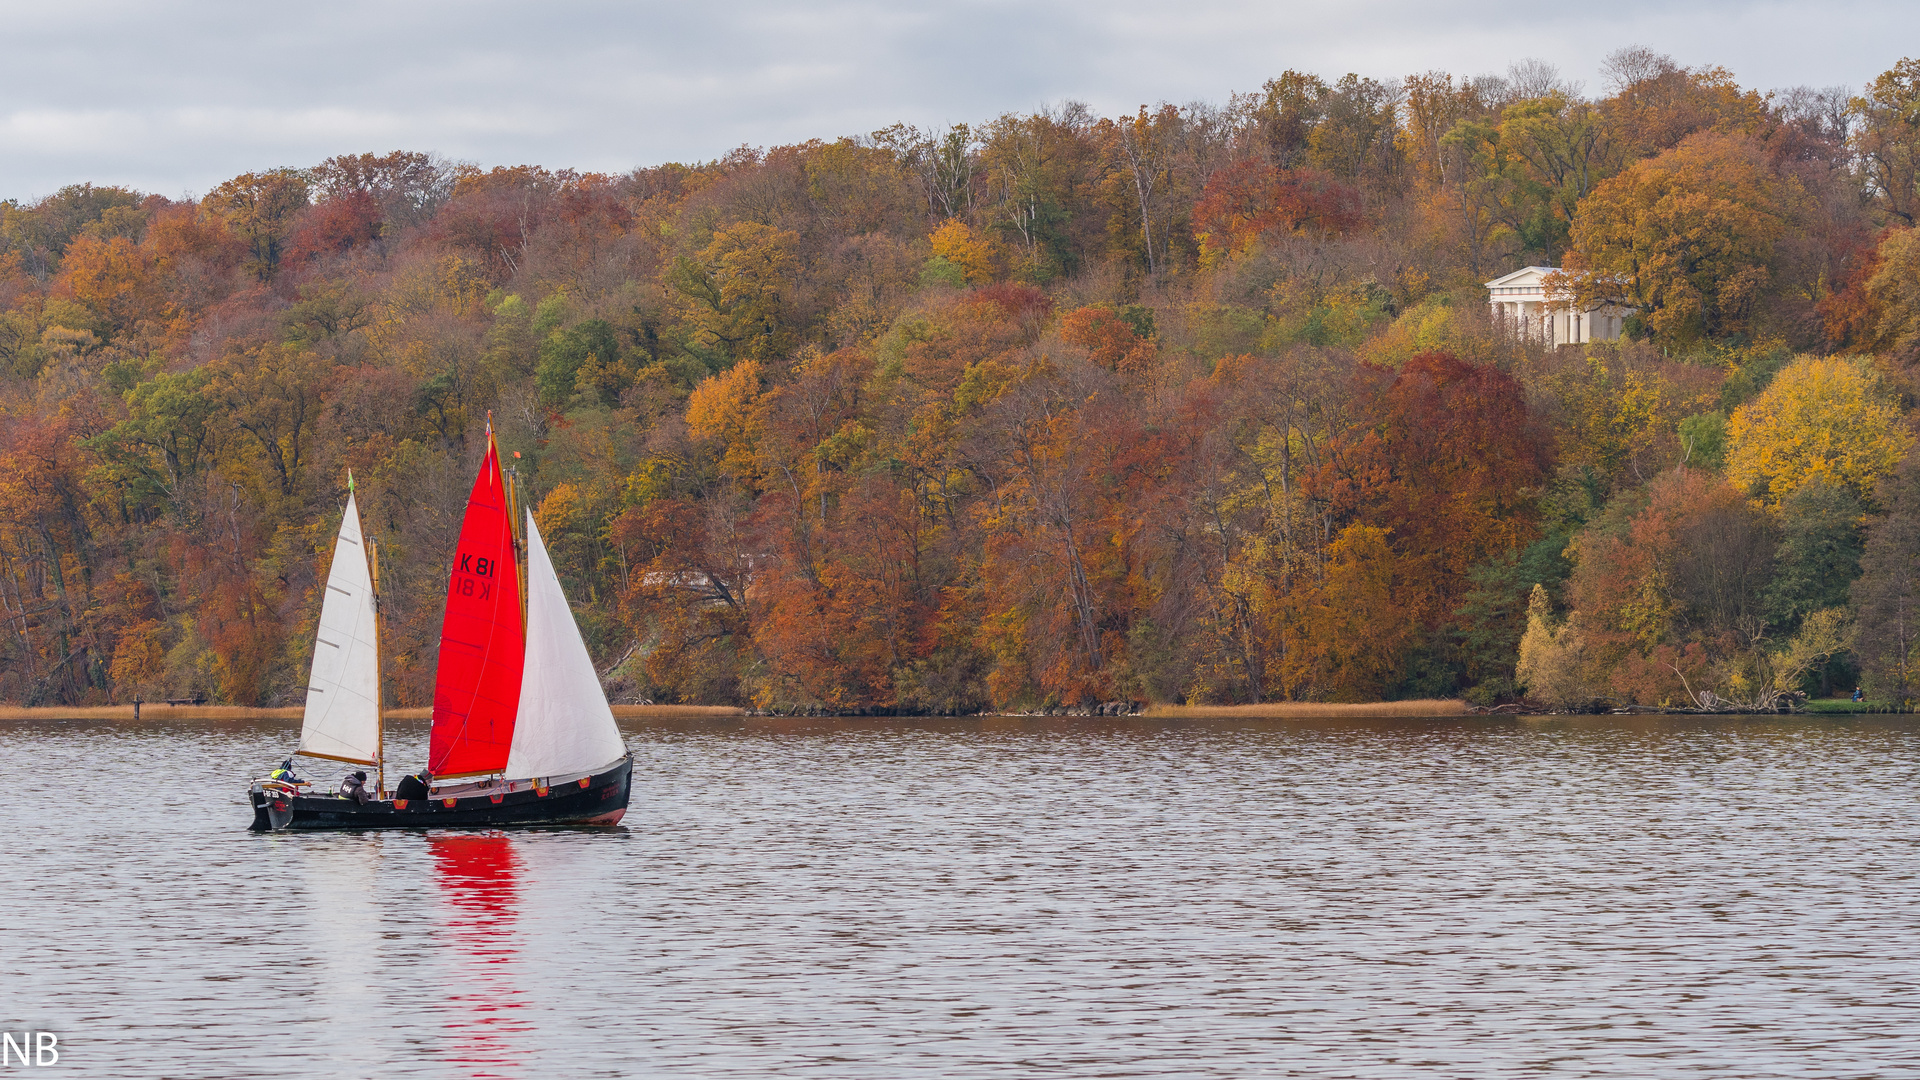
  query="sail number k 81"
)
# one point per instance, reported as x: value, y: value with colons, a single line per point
x: 471, y: 575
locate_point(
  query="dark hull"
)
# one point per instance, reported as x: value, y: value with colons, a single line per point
x: 600, y: 799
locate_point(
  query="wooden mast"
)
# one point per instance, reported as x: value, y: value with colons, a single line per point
x: 516, y: 510
x: 379, y: 688
x: 515, y: 530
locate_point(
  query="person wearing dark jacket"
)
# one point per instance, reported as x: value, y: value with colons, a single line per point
x: 355, y: 787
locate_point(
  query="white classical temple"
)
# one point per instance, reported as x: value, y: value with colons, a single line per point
x: 1520, y: 301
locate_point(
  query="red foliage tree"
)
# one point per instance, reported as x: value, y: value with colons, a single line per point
x: 492, y: 215
x: 334, y: 227
x: 1243, y: 201
x: 1443, y: 454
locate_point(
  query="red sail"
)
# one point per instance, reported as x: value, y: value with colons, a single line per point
x: 483, y: 643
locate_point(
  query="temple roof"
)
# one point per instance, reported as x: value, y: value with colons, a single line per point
x: 1526, y: 275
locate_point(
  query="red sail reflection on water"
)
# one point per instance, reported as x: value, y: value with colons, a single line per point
x: 479, y: 878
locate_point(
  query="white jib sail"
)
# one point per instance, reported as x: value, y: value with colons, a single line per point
x: 564, y: 725
x: 343, y: 692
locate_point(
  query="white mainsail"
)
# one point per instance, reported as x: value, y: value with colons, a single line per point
x: 342, y: 720
x: 564, y: 725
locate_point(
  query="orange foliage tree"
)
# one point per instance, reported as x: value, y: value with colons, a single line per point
x: 1686, y: 238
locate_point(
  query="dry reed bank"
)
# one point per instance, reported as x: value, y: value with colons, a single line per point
x: 1309, y: 710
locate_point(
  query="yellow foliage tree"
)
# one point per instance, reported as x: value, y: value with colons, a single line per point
x: 975, y: 254
x: 1427, y: 327
x: 1894, y: 292
x: 1821, y: 417
x: 741, y: 289
x: 723, y: 408
x: 1346, y: 637
x: 1618, y: 415
x: 561, y: 509
x: 140, y: 657
x: 1552, y: 656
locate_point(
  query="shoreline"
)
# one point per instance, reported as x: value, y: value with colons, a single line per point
x: 1432, y: 709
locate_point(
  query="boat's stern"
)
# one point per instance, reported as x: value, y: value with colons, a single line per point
x: 257, y: 797
x: 272, y: 805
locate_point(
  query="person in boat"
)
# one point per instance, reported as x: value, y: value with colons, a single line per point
x: 355, y: 787
x: 284, y: 773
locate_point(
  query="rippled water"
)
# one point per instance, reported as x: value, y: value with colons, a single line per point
x: 997, y: 899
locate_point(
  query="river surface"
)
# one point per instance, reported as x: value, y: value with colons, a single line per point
x: 1009, y: 898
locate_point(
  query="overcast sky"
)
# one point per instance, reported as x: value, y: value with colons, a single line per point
x: 175, y: 98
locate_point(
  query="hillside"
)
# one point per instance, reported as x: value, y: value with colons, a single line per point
x: 1201, y: 404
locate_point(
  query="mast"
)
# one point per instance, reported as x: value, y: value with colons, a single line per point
x: 521, y: 503
x: 516, y: 502
x: 379, y: 690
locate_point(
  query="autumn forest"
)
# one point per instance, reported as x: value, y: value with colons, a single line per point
x: 1198, y: 404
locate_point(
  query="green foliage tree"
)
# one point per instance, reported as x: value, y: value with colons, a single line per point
x: 1493, y: 617
x: 273, y: 397
x: 1819, y: 555
x: 171, y: 432
x: 1887, y: 593
x: 590, y: 346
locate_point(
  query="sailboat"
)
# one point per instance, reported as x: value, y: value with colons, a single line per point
x: 522, y: 733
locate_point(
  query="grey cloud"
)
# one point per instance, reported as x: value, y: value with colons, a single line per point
x: 177, y: 100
